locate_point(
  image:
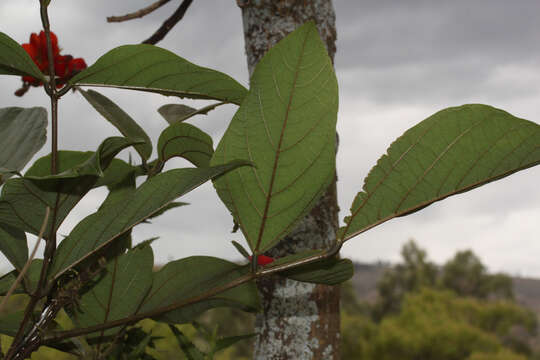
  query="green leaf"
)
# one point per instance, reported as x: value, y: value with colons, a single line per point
x: 190, y: 277
x: 174, y: 113
x: 329, y: 272
x: 186, y: 141
x: 31, y: 279
x: 240, y: 249
x: 24, y: 200
x: 13, y: 245
x: 168, y: 207
x: 188, y: 347
x: 222, y: 344
x: 9, y: 323
x: 120, y: 191
x: 15, y: 61
x: 286, y: 127
x: 121, y: 120
x: 452, y: 151
x: 150, y: 68
x: 94, y: 163
x: 120, y: 291
x: 23, y: 133
x: 114, y: 173
x: 101, y: 228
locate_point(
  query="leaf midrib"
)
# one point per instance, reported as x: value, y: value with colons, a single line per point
x: 278, y: 149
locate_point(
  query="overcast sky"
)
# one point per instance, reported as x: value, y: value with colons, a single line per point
x: 397, y: 63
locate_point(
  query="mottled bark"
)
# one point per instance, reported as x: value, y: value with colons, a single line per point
x: 299, y: 320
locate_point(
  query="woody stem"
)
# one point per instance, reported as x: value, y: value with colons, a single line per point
x: 50, y: 247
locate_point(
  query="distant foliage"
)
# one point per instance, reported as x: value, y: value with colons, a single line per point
x: 456, y: 312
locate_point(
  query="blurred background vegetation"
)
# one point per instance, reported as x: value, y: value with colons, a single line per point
x: 413, y: 310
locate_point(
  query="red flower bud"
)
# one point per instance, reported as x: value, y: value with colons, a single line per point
x: 263, y: 260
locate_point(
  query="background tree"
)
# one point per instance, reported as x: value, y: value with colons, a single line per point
x: 418, y: 316
x: 467, y: 276
x: 413, y: 274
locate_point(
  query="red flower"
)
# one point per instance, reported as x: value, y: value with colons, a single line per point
x: 263, y: 260
x: 65, y: 66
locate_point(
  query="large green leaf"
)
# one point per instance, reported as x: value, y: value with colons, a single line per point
x: 150, y: 68
x: 15, y: 61
x: 186, y: 278
x: 119, y: 293
x: 286, y: 127
x: 9, y: 323
x: 24, y: 200
x: 99, y: 229
x: 174, y: 113
x: 452, y: 151
x: 22, y: 132
x: 187, y: 141
x: 31, y: 279
x: 121, y: 120
x: 13, y: 245
x: 115, y: 172
x: 329, y: 272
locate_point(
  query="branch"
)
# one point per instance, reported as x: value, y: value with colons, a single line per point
x: 169, y: 23
x: 139, y: 13
x: 62, y: 335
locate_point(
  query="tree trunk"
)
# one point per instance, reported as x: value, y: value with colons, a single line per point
x: 299, y: 320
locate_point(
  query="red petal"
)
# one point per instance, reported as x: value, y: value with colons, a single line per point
x: 61, y: 65
x: 77, y: 65
x: 34, y: 40
x: 31, y: 50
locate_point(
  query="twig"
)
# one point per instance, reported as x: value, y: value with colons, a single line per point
x: 139, y: 13
x: 27, y: 265
x: 62, y: 335
x: 169, y: 23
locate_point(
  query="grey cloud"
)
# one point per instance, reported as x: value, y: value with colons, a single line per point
x: 382, y: 33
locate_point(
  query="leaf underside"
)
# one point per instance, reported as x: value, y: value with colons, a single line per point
x: 150, y: 68
x: 24, y: 201
x: 98, y: 230
x: 186, y: 141
x: 174, y: 113
x: 23, y: 133
x: 286, y: 127
x: 452, y: 151
x: 186, y: 278
x: 119, y: 293
x: 13, y: 245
